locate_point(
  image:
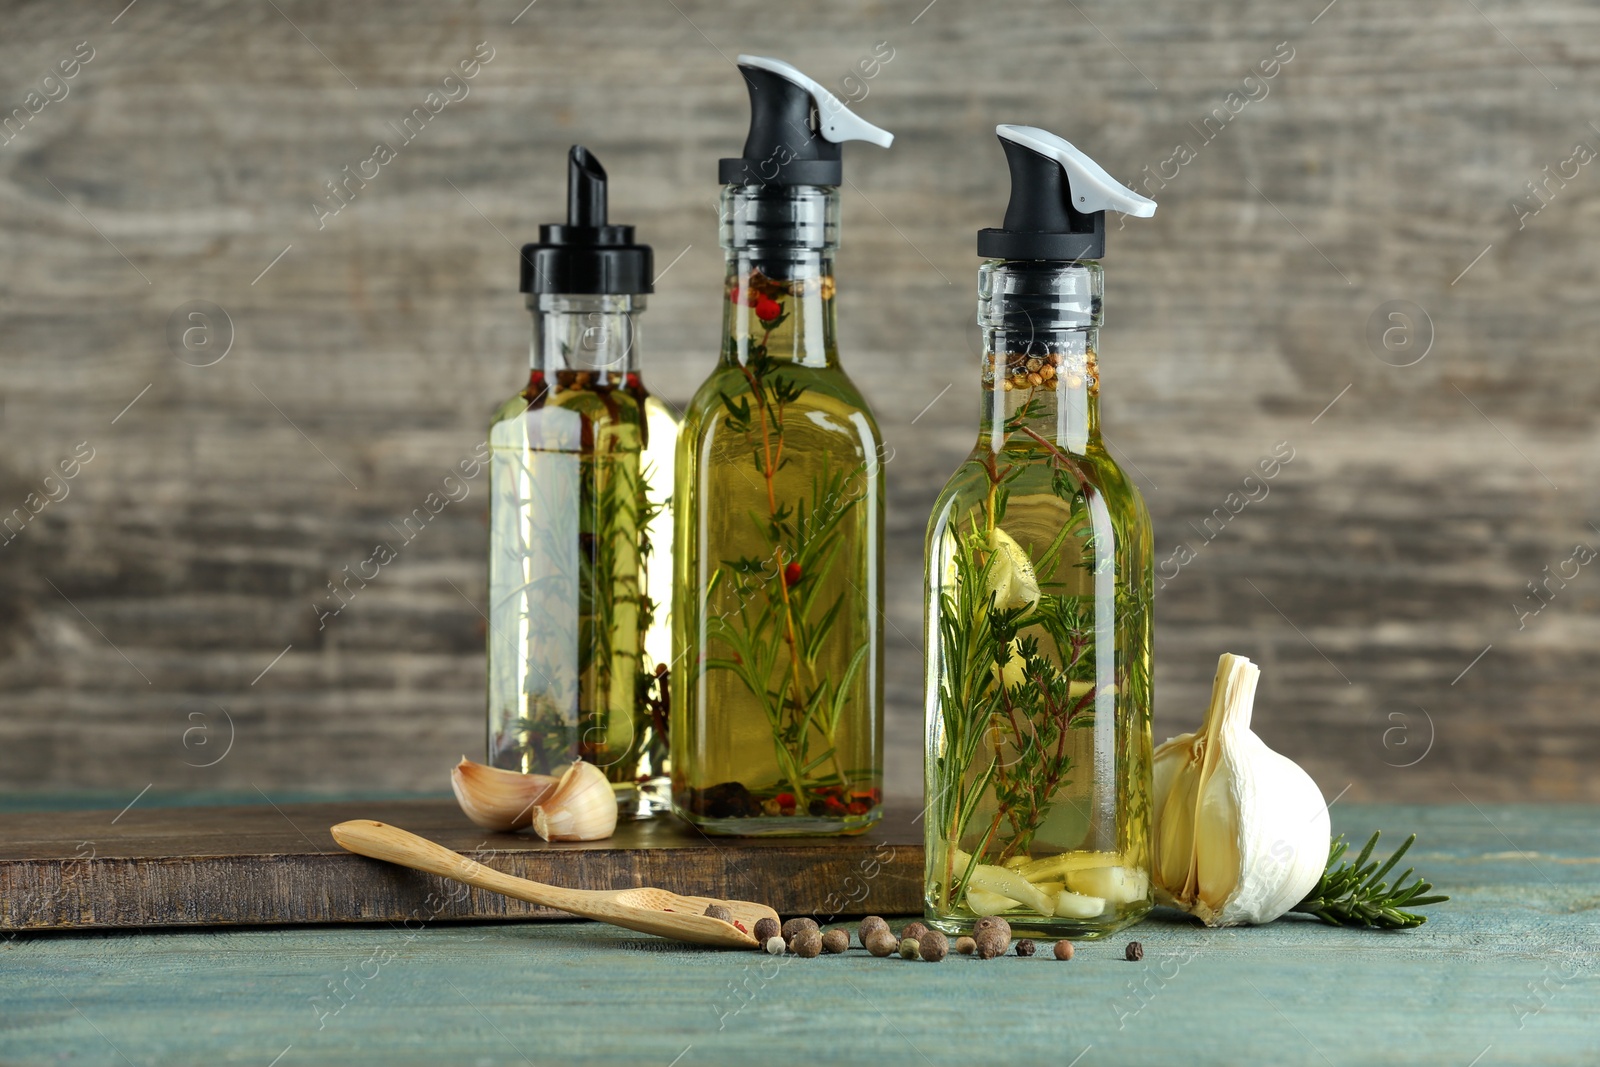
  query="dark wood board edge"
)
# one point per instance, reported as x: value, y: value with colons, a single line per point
x: 877, y: 872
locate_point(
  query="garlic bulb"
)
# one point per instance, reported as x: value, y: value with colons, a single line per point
x: 582, y: 807
x: 498, y: 799
x: 1241, y: 833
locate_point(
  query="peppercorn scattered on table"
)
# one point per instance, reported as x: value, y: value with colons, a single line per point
x: 1502, y: 973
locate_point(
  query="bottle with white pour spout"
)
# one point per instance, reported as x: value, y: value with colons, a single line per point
x: 1039, y: 578
x: 778, y: 688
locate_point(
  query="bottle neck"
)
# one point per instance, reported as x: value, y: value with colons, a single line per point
x: 1040, y: 377
x: 591, y: 336
x: 779, y: 242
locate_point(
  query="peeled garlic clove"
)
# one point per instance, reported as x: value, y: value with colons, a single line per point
x: 1011, y: 577
x: 1063, y: 864
x: 982, y: 902
x: 1070, y: 905
x: 582, y: 807
x: 497, y: 799
x: 1241, y: 832
x: 1120, y: 885
x: 1009, y: 883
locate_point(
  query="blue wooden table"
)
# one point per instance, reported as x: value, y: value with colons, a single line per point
x: 1504, y: 973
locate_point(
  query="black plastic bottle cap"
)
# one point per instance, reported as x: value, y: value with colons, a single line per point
x: 586, y: 254
x: 1059, y: 200
x: 785, y: 145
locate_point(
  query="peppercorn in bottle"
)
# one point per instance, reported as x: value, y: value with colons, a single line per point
x: 777, y: 693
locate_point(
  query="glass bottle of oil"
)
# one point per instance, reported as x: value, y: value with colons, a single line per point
x: 574, y: 619
x: 1038, y: 591
x: 777, y: 696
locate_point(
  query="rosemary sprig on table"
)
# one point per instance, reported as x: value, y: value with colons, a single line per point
x: 1354, y: 894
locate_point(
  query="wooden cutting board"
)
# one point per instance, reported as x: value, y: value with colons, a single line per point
x: 276, y: 864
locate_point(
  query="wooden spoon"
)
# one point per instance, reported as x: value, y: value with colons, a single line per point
x: 650, y: 911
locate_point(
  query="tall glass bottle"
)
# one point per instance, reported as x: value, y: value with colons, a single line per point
x: 777, y: 697
x: 1039, y: 579
x: 573, y: 502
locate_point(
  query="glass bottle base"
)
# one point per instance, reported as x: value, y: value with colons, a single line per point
x: 1023, y: 924
x: 643, y: 800
x: 782, y: 825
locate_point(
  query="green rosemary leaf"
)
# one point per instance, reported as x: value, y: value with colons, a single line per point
x: 817, y: 636
x: 1353, y: 894
x: 815, y: 566
x: 846, y: 687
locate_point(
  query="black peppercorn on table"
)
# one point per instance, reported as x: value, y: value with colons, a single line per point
x: 1502, y: 973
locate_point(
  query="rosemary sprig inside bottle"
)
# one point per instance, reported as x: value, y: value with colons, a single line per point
x: 788, y: 602
x: 1019, y: 652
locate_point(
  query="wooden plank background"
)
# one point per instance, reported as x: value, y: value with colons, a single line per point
x: 157, y: 622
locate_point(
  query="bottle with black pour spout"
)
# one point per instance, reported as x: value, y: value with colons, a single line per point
x: 1039, y: 580
x: 777, y: 693
x: 580, y: 465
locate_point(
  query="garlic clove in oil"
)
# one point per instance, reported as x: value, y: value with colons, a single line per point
x: 1241, y: 832
x: 981, y: 902
x: 582, y: 806
x: 1010, y: 573
x: 1070, y: 905
x: 497, y: 799
x: 1062, y: 864
x: 1009, y: 883
x: 1120, y: 885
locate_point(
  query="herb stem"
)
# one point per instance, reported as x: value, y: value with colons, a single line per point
x: 769, y: 473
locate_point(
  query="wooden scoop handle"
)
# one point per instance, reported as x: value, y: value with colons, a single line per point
x: 380, y: 841
x: 651, y: 911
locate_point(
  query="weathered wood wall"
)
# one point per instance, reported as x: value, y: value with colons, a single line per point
x: 1381, y: 161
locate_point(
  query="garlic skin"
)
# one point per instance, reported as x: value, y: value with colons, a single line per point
x: 1240, y: 832
x: 497, y: 799
x: 582, y: 806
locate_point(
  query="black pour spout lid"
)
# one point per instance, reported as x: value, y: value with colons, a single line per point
x: 1059, y: 200
x: 586, y: 254
x: 796, y: 129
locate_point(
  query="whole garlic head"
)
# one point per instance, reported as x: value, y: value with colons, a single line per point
x: 1240, y: 832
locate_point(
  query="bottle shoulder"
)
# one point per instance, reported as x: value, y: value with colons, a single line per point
x: 1037, y: 489
x: 659, y: 412
x: 1117, y: 484
x: 821, y: 398
x: 513, y: 407
x: 571, y: 419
